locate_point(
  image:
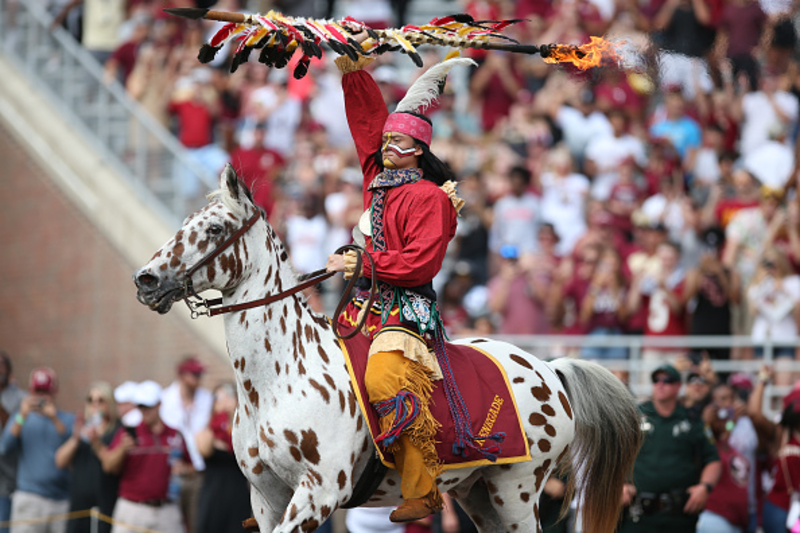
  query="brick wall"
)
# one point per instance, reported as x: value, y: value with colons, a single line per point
x: 67, y: 299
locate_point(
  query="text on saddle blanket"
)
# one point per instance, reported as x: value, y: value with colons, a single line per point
x: 484, y: 386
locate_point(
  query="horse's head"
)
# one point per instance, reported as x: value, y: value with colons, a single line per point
x: 187, y: 262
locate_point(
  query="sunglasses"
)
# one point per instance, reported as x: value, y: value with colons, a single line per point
x: 665, y: 379
x: 94, y: 399
x: 696, y: 379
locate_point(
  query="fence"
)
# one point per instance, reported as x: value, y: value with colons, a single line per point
x: 639, y: 368
x: 123, y: 133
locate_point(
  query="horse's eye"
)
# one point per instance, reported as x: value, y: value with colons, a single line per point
x: 215, y: 229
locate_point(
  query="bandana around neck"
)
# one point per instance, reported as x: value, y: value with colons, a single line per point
x: 395, y: 177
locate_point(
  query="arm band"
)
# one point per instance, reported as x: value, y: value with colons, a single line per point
x: 19, y: 419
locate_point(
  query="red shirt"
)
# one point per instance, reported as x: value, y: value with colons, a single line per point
x: 788, y: 463
x: 729, y: 498
x: 195, y: 123
x: 662, y: 320
x: 145, y: 474
x: 257, y: 168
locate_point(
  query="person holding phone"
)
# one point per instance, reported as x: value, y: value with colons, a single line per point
x: 35, y: 432
x: 92, y: 432
x: 146, y: 463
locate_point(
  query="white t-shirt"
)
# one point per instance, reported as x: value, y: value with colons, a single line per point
x: 607, y: 153
x: 307, y: 239
x: 772, y: 305
x: 760, y: 116
x: 563, y: 204
x: 516, y: 222
x: 579, y: 129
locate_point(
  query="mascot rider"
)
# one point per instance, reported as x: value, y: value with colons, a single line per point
x: 411, y: 209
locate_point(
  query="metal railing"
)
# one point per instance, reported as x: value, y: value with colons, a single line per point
x: 639, y: 364
x: 122, y: 132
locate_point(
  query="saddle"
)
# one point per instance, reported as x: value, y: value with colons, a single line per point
x: 484, y: 386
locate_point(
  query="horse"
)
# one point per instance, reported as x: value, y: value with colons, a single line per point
x: 299, y: 435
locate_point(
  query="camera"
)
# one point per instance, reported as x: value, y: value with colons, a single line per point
x: 39, y: 405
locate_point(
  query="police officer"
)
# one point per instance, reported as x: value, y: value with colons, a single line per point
x: 677, y: 466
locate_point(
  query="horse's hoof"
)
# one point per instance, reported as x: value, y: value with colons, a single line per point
x: 250, y: 525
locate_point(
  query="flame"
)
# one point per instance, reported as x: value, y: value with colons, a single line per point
x: 591, y: 54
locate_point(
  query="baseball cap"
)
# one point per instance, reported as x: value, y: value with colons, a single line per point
x: 43, y: 379
x: 191, y: 365
x: 126, y: 392
x: 148, y: 394
x: 667, y: 369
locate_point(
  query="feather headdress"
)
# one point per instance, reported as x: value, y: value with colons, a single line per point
x: 426, y: 89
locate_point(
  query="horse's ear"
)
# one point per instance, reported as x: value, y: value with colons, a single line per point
x: 229, y: 181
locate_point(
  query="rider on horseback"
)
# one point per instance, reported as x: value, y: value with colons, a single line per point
x: 410, y: 217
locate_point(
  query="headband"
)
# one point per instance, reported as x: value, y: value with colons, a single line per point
x: 409, y: 125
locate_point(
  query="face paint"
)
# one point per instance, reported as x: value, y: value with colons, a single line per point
x: 401, y: 152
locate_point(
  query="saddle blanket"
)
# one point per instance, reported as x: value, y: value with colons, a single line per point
x: 483, y: 385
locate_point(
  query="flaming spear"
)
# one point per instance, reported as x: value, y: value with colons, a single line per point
x: 279, y: 36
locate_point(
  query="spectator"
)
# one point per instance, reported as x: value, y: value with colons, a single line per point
x: 518, y: 295
x: 186, y: 407
x: 787, y: 469
x: 35, y: 432
x: 727, y: 506
x: 563, y: 202
x: 145, y: 458
x: 127, y: 410
x: 224, y: 501
x: 697, y: 394
x: 496, y: 85
x: 196, y: 106
x: 747, y: 232
x: 712, y: 290
x: 605, y: 153
x: 676, y: 126
x: 258, y: 168
x: 739, y: 33
x: 685, y: 33
x: 274, y: 105
x: 677, y: 467
x: 603, y: 311
x: 91, y: 435
x: 516, y: 215
x: 661, y: 292
x: 10, y: 399
x: 762, y: 110
x: 572, y: 282
x: 773, y: 297
x: 721, y: 207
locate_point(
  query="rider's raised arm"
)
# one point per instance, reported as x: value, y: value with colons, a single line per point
x: 366, y: 112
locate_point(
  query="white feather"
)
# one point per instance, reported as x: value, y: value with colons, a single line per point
x: 425, y: 90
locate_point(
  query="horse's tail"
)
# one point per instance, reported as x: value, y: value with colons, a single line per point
x: 607, y: 439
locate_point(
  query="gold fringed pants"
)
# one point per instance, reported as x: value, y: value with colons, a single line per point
x: 415, y: 455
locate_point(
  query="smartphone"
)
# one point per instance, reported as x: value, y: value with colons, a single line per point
x: 132, y: 432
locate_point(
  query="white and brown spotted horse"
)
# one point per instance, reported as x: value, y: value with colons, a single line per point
x: 299, y: 435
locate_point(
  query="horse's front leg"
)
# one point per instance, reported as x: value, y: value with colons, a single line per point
x: 313, y: 502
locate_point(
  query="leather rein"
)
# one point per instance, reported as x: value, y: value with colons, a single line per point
x: 202, y: 307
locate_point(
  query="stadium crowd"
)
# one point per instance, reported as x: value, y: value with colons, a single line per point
x: 656, y: 199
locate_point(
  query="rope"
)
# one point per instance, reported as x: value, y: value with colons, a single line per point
x: 72, y: 516
x: 461, y: 419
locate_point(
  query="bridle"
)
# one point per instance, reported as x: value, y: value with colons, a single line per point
x: 199, y: 306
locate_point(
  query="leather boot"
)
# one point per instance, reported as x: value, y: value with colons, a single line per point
x: 250, y: 525
x: 417, y: 508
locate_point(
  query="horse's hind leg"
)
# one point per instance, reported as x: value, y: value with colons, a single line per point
x: 477, y: 505
x: 513, y: 492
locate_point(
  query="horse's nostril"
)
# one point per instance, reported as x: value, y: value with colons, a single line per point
x: 146, y: 280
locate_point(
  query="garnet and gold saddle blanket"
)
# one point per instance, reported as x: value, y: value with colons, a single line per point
x: 483, y: 385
